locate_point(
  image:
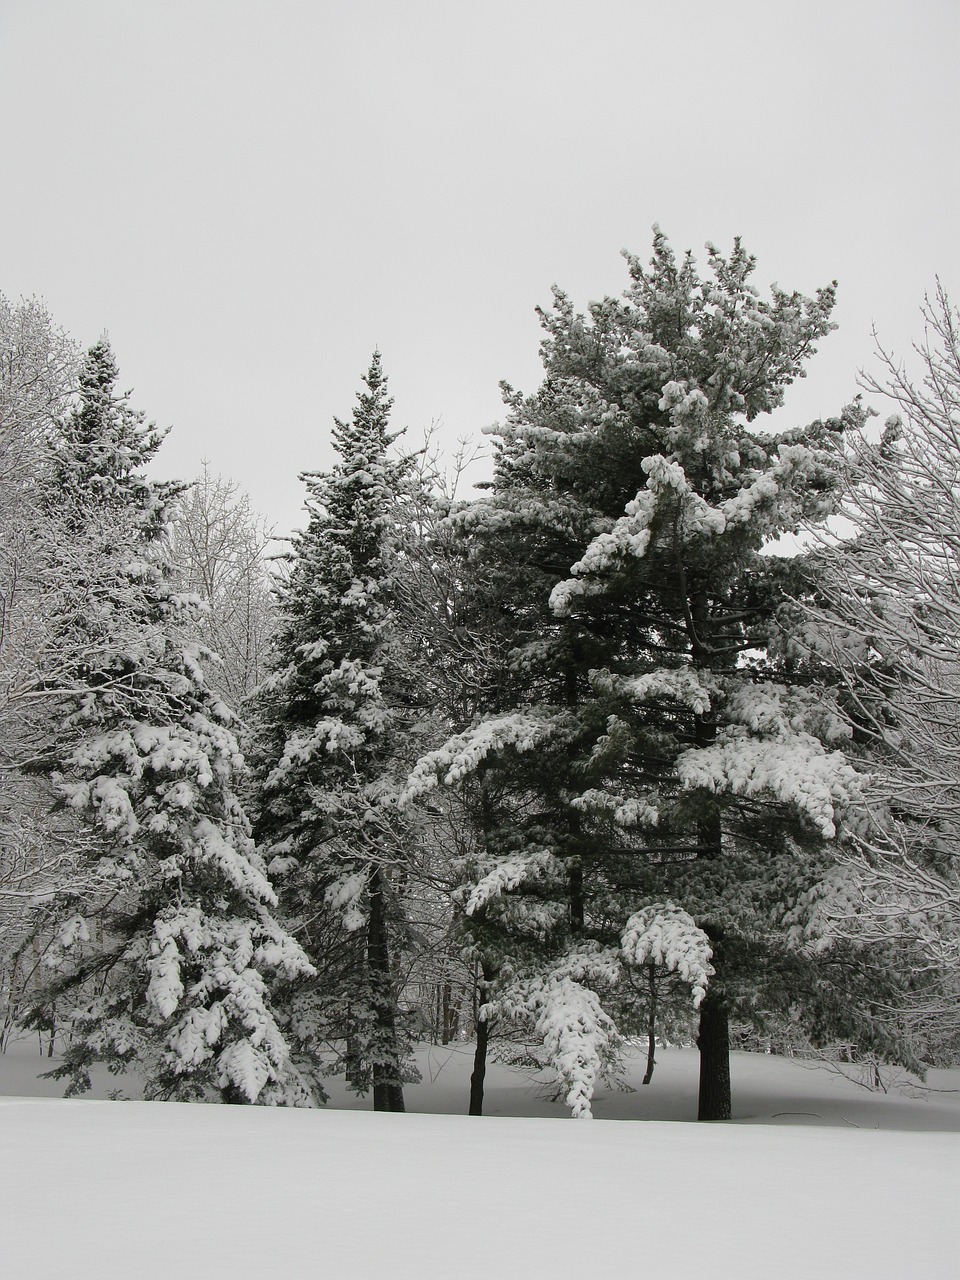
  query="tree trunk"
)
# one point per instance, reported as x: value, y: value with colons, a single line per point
x: 446, y: 1013
x: 576, y: 909
x: 479, y: 1069
x: 387, y: 1094
x: 387, y: 1086
x: 577, y: 913
x: 651, y: 1025
x: 485, y: 977
x: 713, y: 1038
x: 713, y: 1041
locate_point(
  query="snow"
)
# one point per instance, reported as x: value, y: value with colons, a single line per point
x: 577, y: 1035
x: 690, y: 687
x: 665, y: 935
x: 815, y: 1178
x: 793, y: 768
x: 510, y: 872
x: 461, y: 754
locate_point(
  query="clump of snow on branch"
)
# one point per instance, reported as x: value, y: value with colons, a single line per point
x: 776, y: 708
x: 665, y: 935
x: 626, y: 811
x: 679, y: 684
x: 794, y: 769
x: 512, y: 871
x: 347, y: 895
x: 530, y: 916
x: 461, y: 754
x: 580, y: 1039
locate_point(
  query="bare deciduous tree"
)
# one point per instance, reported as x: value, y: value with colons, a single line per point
x: 38, y: 369
x: 892, y: 630
x: 220, y: 548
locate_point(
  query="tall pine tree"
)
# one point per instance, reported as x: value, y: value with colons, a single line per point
x: 163, y: 955
x: 665, y: 790
x: 331, y: 717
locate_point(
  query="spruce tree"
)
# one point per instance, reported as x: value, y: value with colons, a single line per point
x: 665, y: 791
x: 163, y: 953
x: 332, y: 713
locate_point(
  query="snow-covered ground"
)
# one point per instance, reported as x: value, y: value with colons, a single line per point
x: 820, y: 1178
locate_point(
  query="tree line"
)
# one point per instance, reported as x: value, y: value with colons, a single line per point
x: 656, y: 736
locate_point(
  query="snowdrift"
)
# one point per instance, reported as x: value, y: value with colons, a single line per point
x: 819, y: 1184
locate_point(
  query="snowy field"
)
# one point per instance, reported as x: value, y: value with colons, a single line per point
x: 817, y: 1177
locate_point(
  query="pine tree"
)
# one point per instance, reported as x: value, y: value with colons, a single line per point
x: 664, y: 788
x: 332, y: 713
x: 162, y: 957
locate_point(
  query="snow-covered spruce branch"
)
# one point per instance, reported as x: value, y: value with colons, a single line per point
x: 789, y: 768
x: 580, y: 1040
x: 666, y: 936
x: 461, y: 754
x: 563, y: 1007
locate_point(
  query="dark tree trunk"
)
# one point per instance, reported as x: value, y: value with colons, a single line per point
x: 713, y: 1038
x: 577, y: 914
x: 575, y: 908
x: 651, y: 1025
x: 447, y: 1014
x: 713, y: 1041
x: 387, y: 1095
x: 387, y: 1086
x: 485, y: 974
x: 484, y: 978
x: 479, y: 1069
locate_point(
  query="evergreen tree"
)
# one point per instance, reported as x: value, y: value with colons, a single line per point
x: 162, y: 955
x: 663, y: 790
x: 332, y: 715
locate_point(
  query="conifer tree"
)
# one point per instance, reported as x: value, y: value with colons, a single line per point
x: 665, y: 789
x: 162, y: 955
x: 332, y: 712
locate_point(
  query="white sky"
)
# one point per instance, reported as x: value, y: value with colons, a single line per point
x: 249, y: 195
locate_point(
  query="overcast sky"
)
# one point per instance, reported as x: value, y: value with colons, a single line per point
x: 250, y: 195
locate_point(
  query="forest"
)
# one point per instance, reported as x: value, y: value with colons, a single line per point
x: 654, y: 739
